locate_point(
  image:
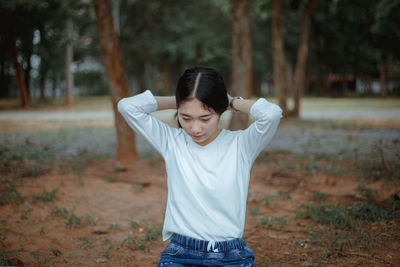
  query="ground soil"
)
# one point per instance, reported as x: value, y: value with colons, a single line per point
x: 109, y: 198
x: 105, y: 202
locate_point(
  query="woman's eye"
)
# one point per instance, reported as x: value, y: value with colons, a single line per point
x: 186, y: 119
x: 205, y: 120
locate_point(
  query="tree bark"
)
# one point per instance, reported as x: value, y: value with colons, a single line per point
x: 126, y: 146
x: 383, y: 77
x: 301, y: 65
x: 69, y: 79
x: 20, y: 77
x: 279, y: 57
x: 242, y: 58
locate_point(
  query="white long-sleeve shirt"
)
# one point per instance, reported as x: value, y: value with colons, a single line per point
x: 207, y: 185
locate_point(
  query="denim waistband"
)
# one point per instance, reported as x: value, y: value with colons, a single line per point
x: 203, y: 245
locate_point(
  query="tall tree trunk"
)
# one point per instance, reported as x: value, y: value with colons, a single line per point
x: 20, y: 77
x: 383, y: 76
x: 69, y: 79
x: 27, y: 76
x: 126, y: 147
x: 301, y: 65
x: 242, y: 58
x: 279, y: 57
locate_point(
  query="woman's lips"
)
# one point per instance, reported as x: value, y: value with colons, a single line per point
x: 197, y: 136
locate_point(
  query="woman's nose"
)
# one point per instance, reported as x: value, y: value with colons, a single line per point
x: 196, y: 128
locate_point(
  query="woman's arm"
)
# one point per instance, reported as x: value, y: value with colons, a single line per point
x: 165, y: 102
x: 136, y: 112
x: 266, y: 120
x: 240, y: 104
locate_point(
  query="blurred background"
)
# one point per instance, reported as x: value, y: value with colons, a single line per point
x: 353, y: 46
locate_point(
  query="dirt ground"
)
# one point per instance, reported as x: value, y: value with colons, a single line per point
x: 111, y: 215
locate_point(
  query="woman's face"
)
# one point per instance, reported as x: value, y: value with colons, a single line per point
x: 199, y: 122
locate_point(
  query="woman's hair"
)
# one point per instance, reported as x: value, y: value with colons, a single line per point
x: 205, y: 84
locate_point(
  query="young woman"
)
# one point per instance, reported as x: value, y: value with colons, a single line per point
x: 208, y: 168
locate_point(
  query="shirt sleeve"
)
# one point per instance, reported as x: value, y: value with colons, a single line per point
x: 136, y: 112
x: 256, y: 137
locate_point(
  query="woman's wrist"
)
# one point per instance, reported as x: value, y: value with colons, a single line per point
x: 232, y: 103
x: 165, y: 102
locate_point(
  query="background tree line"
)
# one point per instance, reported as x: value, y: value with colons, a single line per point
x: 358, y: 38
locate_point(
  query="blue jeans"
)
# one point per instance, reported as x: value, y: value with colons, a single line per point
x: 191, y: 252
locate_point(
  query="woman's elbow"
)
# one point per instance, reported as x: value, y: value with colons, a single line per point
x: 122, y: 105
x: 275, y: 113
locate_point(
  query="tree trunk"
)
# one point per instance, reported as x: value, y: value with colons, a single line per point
x: 69, y: 79
x: 126, y: 146
x: 301, y: 65
x: 279, y: 57
x: 27, y: 76
x: 383, y: 76
x: 20, y: 77
x: 242, y: 58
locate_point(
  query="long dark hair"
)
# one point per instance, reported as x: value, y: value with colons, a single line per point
x: 205, y: 84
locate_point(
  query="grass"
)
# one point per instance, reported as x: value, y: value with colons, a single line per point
x: 347, y: 226
x: 8, y: 192
x: 46, y: 196
x: 70, y: 149
x: 72, y: 221
x: 349, y: 216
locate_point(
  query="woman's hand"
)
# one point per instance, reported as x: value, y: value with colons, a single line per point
x: 230, y: 98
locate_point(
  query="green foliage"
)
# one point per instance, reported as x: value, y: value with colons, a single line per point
x: 138, y: 187
x: 114, y: 226
x: 284, y: 195
x: 278, y: 222
x: 7, y: 257
x: 46, y: 196
x: 269, y: 200
x: 40, y: 259
x: 254, y: 211
x: 8, y: 192
x: 152, y: 232
x: 85, y: 242
x: 133, y: 223
x: 41, y: 231
x: 318, y: 197
x: 349, y: 216
x: 71, y: 219
x: 35, y: 154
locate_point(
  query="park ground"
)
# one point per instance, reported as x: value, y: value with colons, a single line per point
x: 326, y: 192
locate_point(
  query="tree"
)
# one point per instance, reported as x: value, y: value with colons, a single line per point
x: 126, y: 147
x: 279, y: 56
x: 301, y: 64
x: 20, y: 77
x: 241, y: 58
x: 69, y: 78
x: 281, y: 81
